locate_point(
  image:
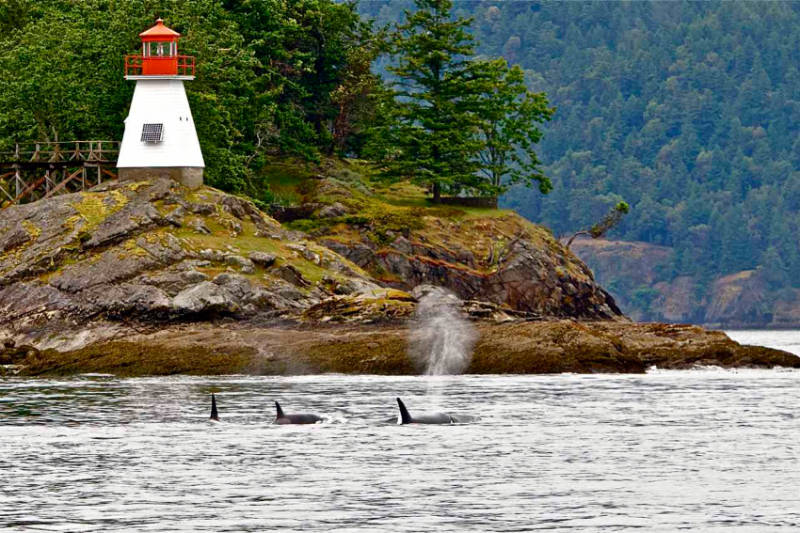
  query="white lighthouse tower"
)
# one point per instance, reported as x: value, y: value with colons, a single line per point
x: 160, y: 139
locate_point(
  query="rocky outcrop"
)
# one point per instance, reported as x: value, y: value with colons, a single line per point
x: 149, y: 277
x: 155, y: 252
x: 482, y: 254
x: 528, y: 279
x: 640, y: 277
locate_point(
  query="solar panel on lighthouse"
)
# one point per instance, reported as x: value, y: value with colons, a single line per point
x: 152, y: 133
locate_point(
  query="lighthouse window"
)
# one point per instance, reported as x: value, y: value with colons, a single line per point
x: 152, y: 133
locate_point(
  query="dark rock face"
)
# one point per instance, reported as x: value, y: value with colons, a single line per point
x: 543, y: 280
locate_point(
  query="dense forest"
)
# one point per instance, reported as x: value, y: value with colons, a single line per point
x: 688, y: 111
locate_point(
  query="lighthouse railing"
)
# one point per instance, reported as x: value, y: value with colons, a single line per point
x: 185, y: 65
x: 134, y: 64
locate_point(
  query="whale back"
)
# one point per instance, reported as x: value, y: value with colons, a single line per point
x: 431, y: 418
x: 434, y: 418
x: 299, y: 419
x: 302, y: 418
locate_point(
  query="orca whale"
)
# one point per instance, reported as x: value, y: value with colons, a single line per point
x: 214, y: 414
x: 431, y: 418
x: 301, y: 418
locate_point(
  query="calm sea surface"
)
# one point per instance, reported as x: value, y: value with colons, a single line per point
x: 701, y: 450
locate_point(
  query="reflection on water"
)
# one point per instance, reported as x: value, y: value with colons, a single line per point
x: 705, y: 450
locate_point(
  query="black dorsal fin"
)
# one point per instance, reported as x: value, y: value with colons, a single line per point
x: 279, y: 410
x: 405, y: 418
x: 214, y: 414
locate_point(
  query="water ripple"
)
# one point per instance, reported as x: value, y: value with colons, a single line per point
x: 706, y: 450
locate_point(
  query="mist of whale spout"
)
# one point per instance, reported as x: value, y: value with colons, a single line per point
x: 441, y: 339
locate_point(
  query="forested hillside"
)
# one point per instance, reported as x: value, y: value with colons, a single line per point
x: 686, y: 111
x: 689, y: 111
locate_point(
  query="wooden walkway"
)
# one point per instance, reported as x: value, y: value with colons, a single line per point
x: 35, y: 171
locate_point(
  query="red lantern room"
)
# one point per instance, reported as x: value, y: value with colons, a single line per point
x: 159, y: 55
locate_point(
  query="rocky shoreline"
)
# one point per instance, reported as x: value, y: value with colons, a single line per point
x: 519, y: 347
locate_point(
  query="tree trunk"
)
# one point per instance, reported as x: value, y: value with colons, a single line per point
x: 437, y: 192
x: 569, y: 242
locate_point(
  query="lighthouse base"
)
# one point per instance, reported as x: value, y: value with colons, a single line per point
x: 191, y: 177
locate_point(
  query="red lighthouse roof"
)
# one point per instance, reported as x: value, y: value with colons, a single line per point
x: 159, y: 31
x: 159, y: 56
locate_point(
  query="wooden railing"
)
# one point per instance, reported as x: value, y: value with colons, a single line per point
x: 38, y: 170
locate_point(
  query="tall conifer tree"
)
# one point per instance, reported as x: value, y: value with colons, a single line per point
x: 431, y: 135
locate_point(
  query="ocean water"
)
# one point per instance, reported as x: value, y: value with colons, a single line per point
x: 701, y: 450
x: 787, y: 339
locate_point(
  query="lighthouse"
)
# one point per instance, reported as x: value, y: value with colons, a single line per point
x: 160, y: 139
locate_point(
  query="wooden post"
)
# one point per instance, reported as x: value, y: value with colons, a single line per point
x: 17, y: 177
x: 17, y: 180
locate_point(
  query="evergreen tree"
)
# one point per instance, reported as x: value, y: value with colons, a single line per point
x: 431, y: 136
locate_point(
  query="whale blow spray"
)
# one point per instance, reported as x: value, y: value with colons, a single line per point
x: 442, y: 339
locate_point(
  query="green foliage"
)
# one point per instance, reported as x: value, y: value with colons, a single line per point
x: 689, y: 109
x: 430, y: 136
x: 274, y: 77
x: 456, y: 123
x: 508, y: 116
x: 313, y: 75
x: 48, y: 62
